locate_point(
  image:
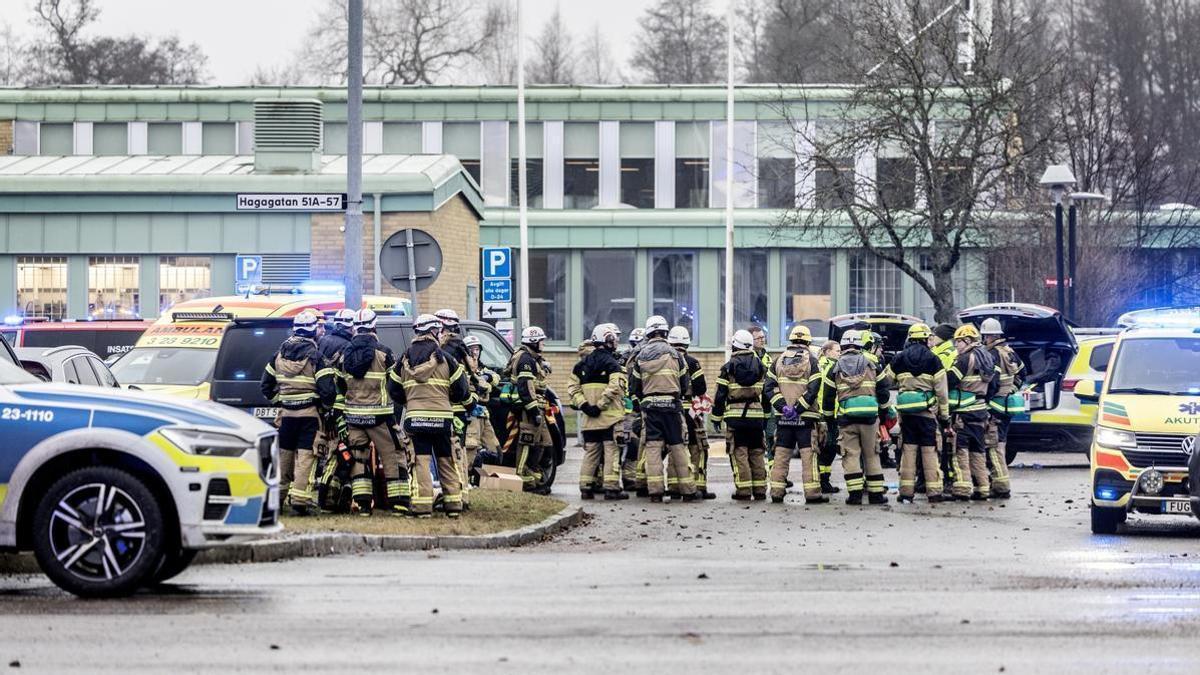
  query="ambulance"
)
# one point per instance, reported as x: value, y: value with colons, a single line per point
x: 1149, y: 415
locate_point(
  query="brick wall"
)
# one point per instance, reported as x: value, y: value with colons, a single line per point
x: 6, y: 137
x: 455, y: 228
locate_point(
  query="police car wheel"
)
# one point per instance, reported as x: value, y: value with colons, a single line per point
x: 1106, y: 520
x: 173, y: 564
x: 98, y: 532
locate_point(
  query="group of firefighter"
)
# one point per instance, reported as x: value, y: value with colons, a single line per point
x: 360, y: 430
x: 944, y: 402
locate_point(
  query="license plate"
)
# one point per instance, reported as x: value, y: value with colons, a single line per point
x: 273, y: 498
x: 266, y: 413
x: 1184, y: 508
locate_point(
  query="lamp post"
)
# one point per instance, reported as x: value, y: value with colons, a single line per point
x: 1058, y: 179
x: 1075, y: 199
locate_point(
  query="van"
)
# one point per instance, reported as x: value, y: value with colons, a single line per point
x: 103, y: 338
x: 893, y: 328
x: 1145, y: 434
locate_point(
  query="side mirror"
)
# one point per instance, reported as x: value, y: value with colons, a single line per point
x: 1087, y: 391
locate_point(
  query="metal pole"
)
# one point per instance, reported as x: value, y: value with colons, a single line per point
x: 1058, y: 254
x: 1071, y: 216
x: 729, y: 181
x: 377, y: 241
x: 354, y: 213
x: 412, y: 269
x: 522, y: 201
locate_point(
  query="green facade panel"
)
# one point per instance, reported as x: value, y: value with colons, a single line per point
x: 120, y: 112
x: 184, y: 112
x: 210, y: 112
x: 60, y: 112
x: 151, y: 112
x: 96, y: 233
x: 86, y: 112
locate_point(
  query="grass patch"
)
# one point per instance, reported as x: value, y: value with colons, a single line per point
x: 491, y: 511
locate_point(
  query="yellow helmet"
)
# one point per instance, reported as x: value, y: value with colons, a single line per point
x: 800, y: 333
x: 919, y: 331
x: 967, y: 331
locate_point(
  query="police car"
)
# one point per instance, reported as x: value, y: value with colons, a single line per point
x: 114, y: 490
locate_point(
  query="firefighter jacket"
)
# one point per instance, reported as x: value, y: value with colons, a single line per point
x: 573, y: 384
x: 739, y: 398
x: 1008, y: 367
x: 658, y: 378
x: 946, y: 353
x: 366, y: 381
x: 788, y: 381
x: 972, y: 380
x: 697, y: 386
x: 298, y: 379
x: 853, y: 389
x: 433, y: 386
x: 602, y: 383
x: 920, y: 382
x: 529, y: 374
x: 482, y: 381
x: 332, y: 343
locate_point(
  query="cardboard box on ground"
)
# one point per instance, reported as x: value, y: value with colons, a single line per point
x: 493, y: 477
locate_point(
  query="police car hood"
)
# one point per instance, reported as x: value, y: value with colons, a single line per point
x: 136, y: 411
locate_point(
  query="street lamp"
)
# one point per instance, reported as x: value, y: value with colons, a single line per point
x: 1075, y: 199
x: 1058, y: 179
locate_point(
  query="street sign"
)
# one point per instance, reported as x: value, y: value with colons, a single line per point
x: 497, y: 310
x: 247, y: 270
x: 310, y: 201
x: 411, y: 260
x: 497, y: 290
x: 497, y: 263
x: 1052, y: 282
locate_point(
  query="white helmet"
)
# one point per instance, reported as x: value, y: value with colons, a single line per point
x: 364, y: 321
x: 990, y: 327
x: 852, y: 338
x: 305, y: 323
x: 427, y: 323
x: 448, y: 317
x: 533, y: 335
x: 636, y: 336
x: 602, y: 333
x: 679, y: 337
x: 344, y: 317
x: 472, y: 341
x: 655, y: 324
x: 742, y: 339
x: 614, y: 328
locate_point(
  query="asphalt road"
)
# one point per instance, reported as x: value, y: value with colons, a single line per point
x: 1015, y: 587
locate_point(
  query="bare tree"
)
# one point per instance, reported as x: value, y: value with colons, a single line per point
x: 404, y: 41
x: 13, y: 57
x: 282, y: 75
x: 680, y: 42
x: 792, y: 41
x: 595, y: 59
x: 553, y: 57
x: 915, y: 165
x: 497, y: 58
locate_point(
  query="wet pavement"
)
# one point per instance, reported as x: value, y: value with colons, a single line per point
x: 1018, y: 586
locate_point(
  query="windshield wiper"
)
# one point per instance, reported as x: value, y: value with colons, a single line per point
x: 1140, y: 390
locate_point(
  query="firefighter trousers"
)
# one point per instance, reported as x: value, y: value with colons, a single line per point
x: 533, y: 441
x: 788, y: 438
x: 431, y: 448
x: 297, y: 437
x: 663, y: 435
x: 971, y: 455
x: 747, y: 461
x: 919, y: 433
x: 996, y: 441
x: 859, y: 442
x: 600, y: 453
x: 828, y: 447
x: 698, y: 449
x: 390, y: 455
x: 631, y: 445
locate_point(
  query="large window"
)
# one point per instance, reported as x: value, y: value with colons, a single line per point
x: 954, y: 182
x: 534, y: 165
x: 548, y: 293
x: 895, y: 182
x: 807, y: 297
x: 57, y: 139
x: 183, y: 278
x: 461, y: 139
x: 673, y: 287
x: 581, y: 165
x: 637, y: 164
x: 749, y: 288
x: 834, y: 181
x: 110, y: 138
x: 776, y: 171
x: 691, y: 165
x: 42, y: 286
x: 164, y: 138
x: 218, y: 138
x: 402, y: 138
x: 113, y: 287
x: 874, y: 284
x: 608, y: 292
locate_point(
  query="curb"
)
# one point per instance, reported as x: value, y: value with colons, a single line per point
x: 335, y: 543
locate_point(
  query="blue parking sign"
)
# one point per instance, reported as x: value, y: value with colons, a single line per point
x: 497, y: 263
x: 497, y: 290
x: 247, y: 270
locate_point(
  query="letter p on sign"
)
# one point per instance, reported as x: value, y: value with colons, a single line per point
x: 497, y: 263
x: 248, y: 269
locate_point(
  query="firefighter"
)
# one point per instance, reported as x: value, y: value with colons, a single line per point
x: 335, y: 339
x: 942, y: 344
x: 631, y: 428
x: 658, y: 382
x: 923, y: 403
x: 827, y: 428
x: 600, y: 395
x: 481, y: 435
x: 299, y: 381
x: 856, y: 391
x: 529, y: 373
x: 789, y: 378
x: 367, y: 387
x: 738, y: 406
x: 764, y: 355
x: 693, y: 414
x: 1008, y: 371
x: 972, y: 383
x: 451, y: 341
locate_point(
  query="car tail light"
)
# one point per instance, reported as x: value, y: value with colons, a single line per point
x: 1069, y: 384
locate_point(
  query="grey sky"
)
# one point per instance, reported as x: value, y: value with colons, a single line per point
x: 239, y: 35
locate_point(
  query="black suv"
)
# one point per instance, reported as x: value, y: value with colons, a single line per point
x: 249, y: 343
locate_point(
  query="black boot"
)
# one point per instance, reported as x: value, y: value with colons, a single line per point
x: 877, y: 498
x: 741, y: 498
x: 691, y: 498
x: 643, y: 492
x: 816, y: 500
x: 854, y: 497
x: 656, y: 499
x: 904, y: 499
x: 776, y: 500
x: 760, y: 498
x: 587, y: 494
x: 978, y: 497
x: 614, y: 495
x: 827, y: 486
x: 935, y: 498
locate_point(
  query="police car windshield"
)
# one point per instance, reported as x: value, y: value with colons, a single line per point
x: 13, y: 374
x: 165, y: 365
x: 1169, y: 366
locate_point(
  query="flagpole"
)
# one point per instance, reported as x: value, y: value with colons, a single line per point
x: 728, y: 180
x: 522, y: 200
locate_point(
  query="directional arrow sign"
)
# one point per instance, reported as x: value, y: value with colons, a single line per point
x: 497, y: 310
